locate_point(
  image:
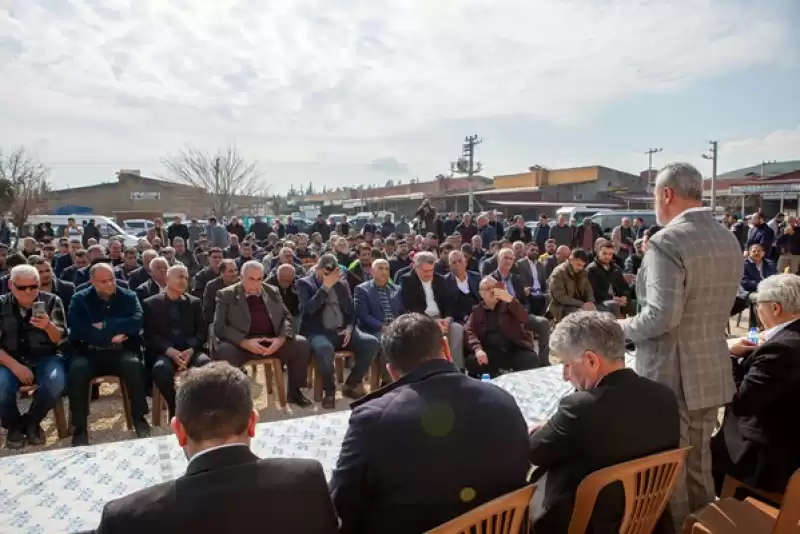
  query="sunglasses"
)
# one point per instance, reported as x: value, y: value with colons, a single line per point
x: 26, y: 288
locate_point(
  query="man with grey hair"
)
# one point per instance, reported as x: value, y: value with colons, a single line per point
x: 158, y: 279
x: 625, y: 417
x: 252, y: 323
x: 686, y: 286
x: 424, y: 291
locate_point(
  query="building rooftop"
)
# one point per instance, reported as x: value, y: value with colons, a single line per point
x: 769, y: 170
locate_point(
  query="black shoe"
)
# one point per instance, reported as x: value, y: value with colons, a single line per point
x: 35, y: 434
x: 297, y: 398
x: 15, y: 439
x: 80, y: 438
x: 329, y: 402
x: 141, y: 428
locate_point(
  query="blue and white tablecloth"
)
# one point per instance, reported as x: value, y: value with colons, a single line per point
x: 64, y: 491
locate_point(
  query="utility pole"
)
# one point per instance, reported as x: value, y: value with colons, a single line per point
x: 466, y: 164
x: 650, y: 153
x: 712, y: 155
x: 216, y: 187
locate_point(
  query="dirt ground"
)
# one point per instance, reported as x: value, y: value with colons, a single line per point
x: 107, y: 420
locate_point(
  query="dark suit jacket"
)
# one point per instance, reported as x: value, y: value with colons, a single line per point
x: 138, y: 277
x: 402, y: 468
x: 203, y: 277
x: 210, y: 298
x: 68, y: 274
x: 147, y: 290
x: 221, y: 491
x: 761, y: 430
x: 61, y: 263
x: 157, y: 331
x: 516, y: 283
x: 312, y: 301
x: 401, y: 272
x: 458, y: 308
x: 81, y: 276
x: 751, y: 277
x: 623, y: 418
x: 120, y: 283
x: 64, y: 290
x: 369, y: 309
x: 232, y: 317
x: 525, y: 274
x: 413, y: 296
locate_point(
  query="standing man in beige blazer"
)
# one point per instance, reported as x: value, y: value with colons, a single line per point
x: 686, y: 286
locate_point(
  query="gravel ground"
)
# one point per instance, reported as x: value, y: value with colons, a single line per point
x: 107, y: 420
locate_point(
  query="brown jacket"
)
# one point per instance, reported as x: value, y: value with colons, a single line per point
x: 512, y: 323
x: 568, y: 289
x: 232, y: 316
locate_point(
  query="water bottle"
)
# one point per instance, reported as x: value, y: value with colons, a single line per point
x: 486, y: 378
x: 752, y: 336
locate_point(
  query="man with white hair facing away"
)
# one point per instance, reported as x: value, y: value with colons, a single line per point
x: 174, y: 333
x: 252, y: 322
x: 33, y: 327
x: 686, y: 286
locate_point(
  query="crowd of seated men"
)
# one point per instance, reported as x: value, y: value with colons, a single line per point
x: 148, y: 312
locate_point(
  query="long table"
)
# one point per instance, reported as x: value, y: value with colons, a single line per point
x: 64, y: 491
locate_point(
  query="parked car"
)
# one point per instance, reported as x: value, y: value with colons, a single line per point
x: 611, y: 219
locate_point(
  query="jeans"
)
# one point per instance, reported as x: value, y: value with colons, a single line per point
x: 84, y: 367
x: 363, y: 345
x: 163, y: 373
x: 50, y: 374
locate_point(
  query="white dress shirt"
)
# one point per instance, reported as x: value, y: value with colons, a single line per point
x: 431, y: 308
x: 772, y: 332
x: 537, y: 286
x: 463, y: 286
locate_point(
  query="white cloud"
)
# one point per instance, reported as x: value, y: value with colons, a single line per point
x: 131, y: 80
x: 778, y: 145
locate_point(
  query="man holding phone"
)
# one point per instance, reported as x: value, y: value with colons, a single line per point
x: 329, y: 324
x: 32, y: 329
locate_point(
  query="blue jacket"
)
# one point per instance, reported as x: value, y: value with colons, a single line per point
x: 312, y: 299
x: 751, y: 277
x: 761, y: 234
x: 413, y: 446
x: 81, y: 276
x: 488, y: 234
x: 121, y: 314
x: 369, y: 310
x: 62, y: 262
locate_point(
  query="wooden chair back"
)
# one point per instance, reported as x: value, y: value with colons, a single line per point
x: 788, y: 521
x: 503, y: 515
x: 647, y: 482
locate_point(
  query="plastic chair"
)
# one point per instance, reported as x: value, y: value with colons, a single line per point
x: 503, y: 515
x: 751, y: 516
x: 58, y: 411
x: 126, y: 402
x: 338, y: 365
x: 647, y: 482
x: 730, y: 485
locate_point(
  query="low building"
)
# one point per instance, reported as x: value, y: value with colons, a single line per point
x: 770, y: 187
x: 134, y: 196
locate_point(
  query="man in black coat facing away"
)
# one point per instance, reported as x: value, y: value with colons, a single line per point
x: 415, y: 453
x: 615, y: 416
x: 224, y: 481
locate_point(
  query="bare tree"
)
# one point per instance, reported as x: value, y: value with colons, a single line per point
x: 23, y: 184
x: 224, y: 176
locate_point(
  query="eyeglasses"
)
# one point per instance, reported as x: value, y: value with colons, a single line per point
x: 33, y: 287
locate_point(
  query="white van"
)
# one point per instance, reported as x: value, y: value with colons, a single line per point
x: 578, y: 213
x: 106, y: 225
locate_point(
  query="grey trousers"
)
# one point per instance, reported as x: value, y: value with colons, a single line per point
x: 455, y: 337
x: 695, y: 486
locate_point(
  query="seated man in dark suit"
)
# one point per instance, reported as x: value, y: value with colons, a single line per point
x: 759, y: 443
x: 424, y: 291
x: 402, y: 464
x: 496, y: 333
x: 64, y: 261
x: 462, y: 286
x: 534, y: 280
x: 129, y: 265
x: 228, y: 275
x: 614, y: 416
x: 50, y: 284
x: 284, y: 279
x: 94, y: 252
x: 756, y: 269
x: 80, y: 261
x: 104, y: 323
x: 174, y: 333
x: 85, y: 285
x: 252, y: 323
x: 224, y: 482
x: 157, y: 282
x: 142, y: 274
x: 506, y: 274
x: 329, y: 322
x: 32, y: 327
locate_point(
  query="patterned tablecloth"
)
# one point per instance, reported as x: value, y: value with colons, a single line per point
x: 64, y: 491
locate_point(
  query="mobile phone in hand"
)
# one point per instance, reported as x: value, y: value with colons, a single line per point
x: 39, y: 309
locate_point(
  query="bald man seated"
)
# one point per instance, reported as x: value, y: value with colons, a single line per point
x: 105, y: 321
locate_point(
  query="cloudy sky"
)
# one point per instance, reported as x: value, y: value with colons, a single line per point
x: 343, y: 92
